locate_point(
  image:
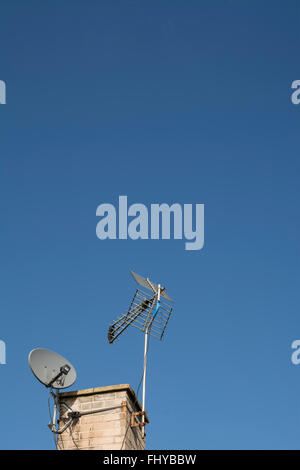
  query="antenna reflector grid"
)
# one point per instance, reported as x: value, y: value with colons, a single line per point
x: 140, y: 315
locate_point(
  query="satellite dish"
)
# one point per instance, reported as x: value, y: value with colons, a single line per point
x: 51, y: 369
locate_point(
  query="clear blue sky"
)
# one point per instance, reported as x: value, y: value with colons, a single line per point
x: 163, y: 101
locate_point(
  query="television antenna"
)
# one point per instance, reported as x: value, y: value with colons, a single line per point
x: 150, y: 314
x: 55, y: 372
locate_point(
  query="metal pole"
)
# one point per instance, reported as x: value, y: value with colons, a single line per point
x: 145, y: 366
x: 56, y: 404
x: 144, y: 380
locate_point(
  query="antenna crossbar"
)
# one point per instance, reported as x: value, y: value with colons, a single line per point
x: 144, y: 314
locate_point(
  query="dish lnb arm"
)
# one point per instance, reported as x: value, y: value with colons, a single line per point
x: 64, y: 370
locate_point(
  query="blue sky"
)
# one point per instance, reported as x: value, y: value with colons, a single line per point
x: 162, y: 101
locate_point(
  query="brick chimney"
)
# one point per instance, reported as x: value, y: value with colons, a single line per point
x: 109, y: 419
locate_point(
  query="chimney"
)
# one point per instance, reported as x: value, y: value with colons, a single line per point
x: 107, y: 418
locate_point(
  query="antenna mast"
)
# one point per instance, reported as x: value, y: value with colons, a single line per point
x: 150, y: 315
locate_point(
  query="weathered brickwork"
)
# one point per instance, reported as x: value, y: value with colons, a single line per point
x: 105, y: 430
